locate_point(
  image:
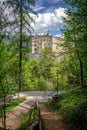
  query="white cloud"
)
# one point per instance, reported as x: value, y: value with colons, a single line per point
x: 37, y: 8
x: 59, y: 35
x: 2, y: 0
x: 52, y: 21
x: 54, y: 1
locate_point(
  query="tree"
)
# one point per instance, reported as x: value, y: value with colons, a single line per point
x: 21, y: 10
x: 41, y: 84
x: 75, y: 33
x: 14, y: 49
x: 48, y: 59
x: 7, y: 82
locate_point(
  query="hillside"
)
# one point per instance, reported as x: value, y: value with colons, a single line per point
x: 73, y: 107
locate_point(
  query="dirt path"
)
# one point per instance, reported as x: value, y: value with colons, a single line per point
x: 52, y: 121
x: 15, y: 115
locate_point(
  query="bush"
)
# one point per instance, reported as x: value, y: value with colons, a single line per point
x: 41, y: 84
x: 76, y: 116
x: 73, y: 107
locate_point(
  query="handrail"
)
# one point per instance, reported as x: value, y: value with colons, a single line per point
x: 36, y: 125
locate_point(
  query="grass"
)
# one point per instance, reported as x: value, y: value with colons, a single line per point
x: 42, y: 124
x: 14, y: 103
x: 73, y: 107
x: 28, y: 119
x: 11, y: 105
x: 74, y: 97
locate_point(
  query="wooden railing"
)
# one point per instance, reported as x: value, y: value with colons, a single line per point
x: 36, y: 125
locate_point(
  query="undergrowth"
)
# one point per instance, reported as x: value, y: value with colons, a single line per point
x: 11, y: 105
x: 42, y: 124
x: 73, y: 108
x: 28, y: 119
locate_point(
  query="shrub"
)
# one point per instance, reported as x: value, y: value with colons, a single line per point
x: 76, y: 116
x: 73, y: 107
x: 41, y: 84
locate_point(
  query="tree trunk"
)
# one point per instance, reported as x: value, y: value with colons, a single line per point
x: 20, y: 49
x: 81, y: 73
x: 57, y: 83
x: 4, y: 113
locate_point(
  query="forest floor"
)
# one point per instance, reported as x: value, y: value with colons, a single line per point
x: 52, y: 121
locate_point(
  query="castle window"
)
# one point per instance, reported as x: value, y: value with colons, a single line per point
x: 56, y: 47
x: 35, y: 50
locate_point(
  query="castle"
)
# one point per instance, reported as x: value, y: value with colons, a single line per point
x: 40, y: 41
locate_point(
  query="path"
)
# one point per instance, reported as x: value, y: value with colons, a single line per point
x: 15, y: 115
x: 52, y: 121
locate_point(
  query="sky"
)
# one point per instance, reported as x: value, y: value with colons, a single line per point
x: 50, y: 14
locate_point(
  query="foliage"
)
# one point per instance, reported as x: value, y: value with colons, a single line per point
x: 21, y: 21
x: 63, y: 82
x: 75, y: 35
x: 10, y: 105
x: 69, y: 69
x: 48, y: 60
x: 41, y: 84
x: 42, y: 124
x: 72, y: 107
x: 7, y: 82
x: 33, y: 78
x: 76, y: 116
x: 74, y: 110
x: 28, y: 119
x: 29, y: 80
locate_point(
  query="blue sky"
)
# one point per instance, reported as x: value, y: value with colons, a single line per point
x: 50, y: 16
x: 43, y: 6
x: 50, y: 13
